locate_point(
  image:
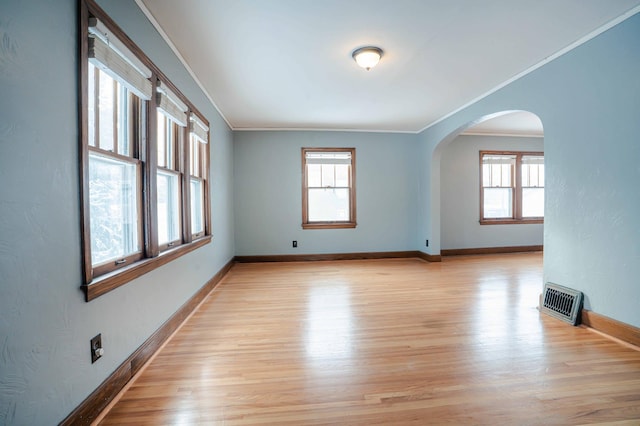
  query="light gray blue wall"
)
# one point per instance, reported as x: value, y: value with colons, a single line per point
x: 268, y: 204
x: 588, y: 100
x: 45, y: 324
x: 589, y: 104
x: 460, y: 195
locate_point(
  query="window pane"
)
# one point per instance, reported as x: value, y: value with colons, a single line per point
x: 497, y: 170
x: 197, y: 210
x: 195, y: 157
x: 91, y: 110
x: 328, y: 175
x: 162, y: 140
x: 124, y: 133
x: 486, y: 175
x: 113, y: 209
x: 171, y: 137
x: 342, y: 175
x: 497, y: 203
x: 505, y: 174
x: 313, y: 175
x: 532, y: 202
x: 328, y: 205
x: 168, y: 208
x: 106, y: 107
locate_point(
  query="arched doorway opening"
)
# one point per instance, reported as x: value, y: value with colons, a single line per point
x: 457, y: 168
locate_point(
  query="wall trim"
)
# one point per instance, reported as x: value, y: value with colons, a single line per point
x: 429, y: 257
x: 335, y: 256
x: 92, y: 406
x: 613, y: 328
x: 490, y: 250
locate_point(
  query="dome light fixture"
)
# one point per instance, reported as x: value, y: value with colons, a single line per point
x: 367, y: 57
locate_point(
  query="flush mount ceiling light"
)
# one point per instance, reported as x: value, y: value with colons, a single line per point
x: 367, y: 57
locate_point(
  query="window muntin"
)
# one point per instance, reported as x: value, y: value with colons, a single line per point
x: 512, y: 187
x: 328, y: 188
x: 133, y: 162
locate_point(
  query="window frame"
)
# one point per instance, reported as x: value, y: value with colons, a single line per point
x: 200, y: 173
x: 173, y: 164
x: 351, y: 223
x: 100, y: 279
x: 516, y: 187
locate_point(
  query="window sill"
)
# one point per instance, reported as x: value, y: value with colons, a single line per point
x: 115, y: 279
x: 329, y: 225
x: 510, y: 221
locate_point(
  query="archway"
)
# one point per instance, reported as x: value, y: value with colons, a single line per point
x: 455, y: 189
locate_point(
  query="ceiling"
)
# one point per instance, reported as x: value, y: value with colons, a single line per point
x: 286, y: 64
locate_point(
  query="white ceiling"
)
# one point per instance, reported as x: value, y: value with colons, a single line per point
x: 286, y: 64
x: 517, y: 123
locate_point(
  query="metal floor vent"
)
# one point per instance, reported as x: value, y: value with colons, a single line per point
x: 561, y: 302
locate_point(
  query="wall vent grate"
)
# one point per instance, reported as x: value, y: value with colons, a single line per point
x: 561, y: 302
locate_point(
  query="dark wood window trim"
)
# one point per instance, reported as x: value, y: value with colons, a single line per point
x: 517, y: 191
x: 351, y: 223
x: 105, y: 283
x: 100, y: 279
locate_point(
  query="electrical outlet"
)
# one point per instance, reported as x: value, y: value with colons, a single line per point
x: 295, y: 244
x: 96, y: 348
x: 427, y: 243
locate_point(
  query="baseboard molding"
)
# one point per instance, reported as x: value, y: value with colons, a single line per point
x: 619, y: 330
x: 429, y: 257
x: 93, y: 405
x: 336, y: 256
x: 490, y: 250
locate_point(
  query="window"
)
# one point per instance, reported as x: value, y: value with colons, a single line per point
x: 168, y: 180
x: 198, y: 139
x: 144, y: 179
x: 328, y: 188
x: 512, y: 187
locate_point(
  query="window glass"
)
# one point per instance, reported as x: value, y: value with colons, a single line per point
x: 91, y: 110
x: 328, y: 204
x: 114, y: 209
x: 197, y: 206
x: 107, y: 109
x: 168, y: 208
x: 124, y: 118
x: 162, y: 140
x: 498, y: 202
x: 532, y: 202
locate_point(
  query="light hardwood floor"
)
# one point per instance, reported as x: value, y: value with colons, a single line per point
x: 393, y: 342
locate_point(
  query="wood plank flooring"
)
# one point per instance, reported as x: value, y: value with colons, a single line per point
x: 384, y: 342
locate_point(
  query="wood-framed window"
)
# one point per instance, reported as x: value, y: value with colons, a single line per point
x: 198, y: 174
x: 168, y: 180
x: 511, y: 187
x: 114, y: 172
x: 328, y: 188
x: 136, y: 160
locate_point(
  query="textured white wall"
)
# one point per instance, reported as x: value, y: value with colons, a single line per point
x: 268, y: 189
x: 460, y: 195
x: 45, y: 324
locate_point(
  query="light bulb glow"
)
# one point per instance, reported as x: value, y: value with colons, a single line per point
x: 367, y: 57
